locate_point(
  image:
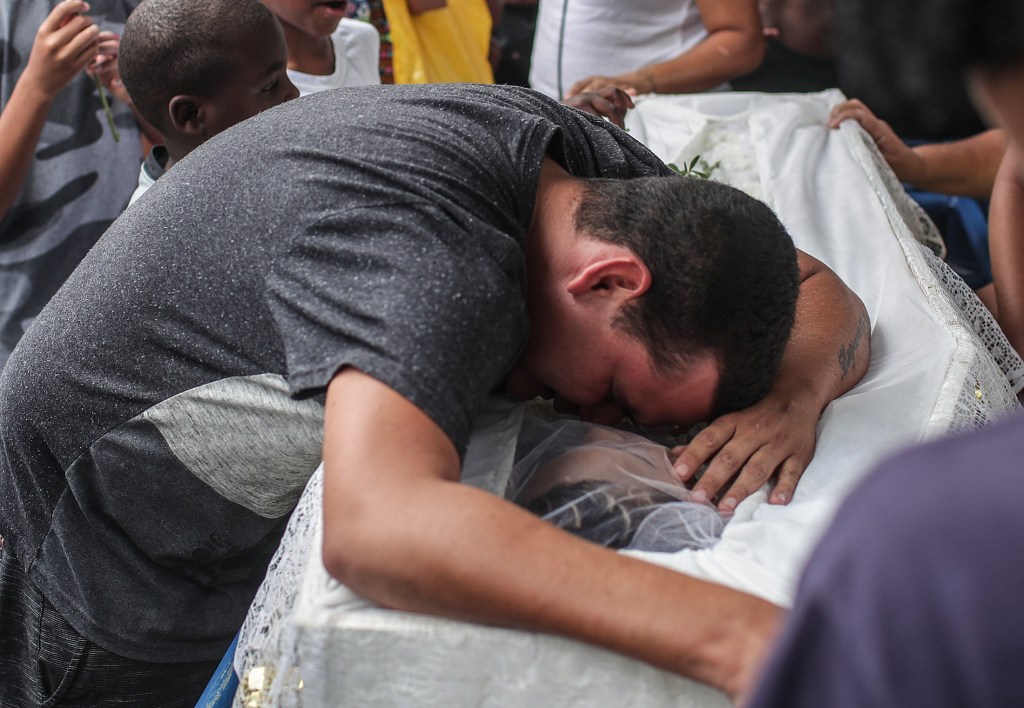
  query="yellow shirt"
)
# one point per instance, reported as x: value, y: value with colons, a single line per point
x: 449, y: 44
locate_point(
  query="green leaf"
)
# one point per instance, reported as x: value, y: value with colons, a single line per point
x: 106, y: 107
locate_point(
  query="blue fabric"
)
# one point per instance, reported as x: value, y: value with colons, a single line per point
x: 963, y: 223
x: 220, y: 692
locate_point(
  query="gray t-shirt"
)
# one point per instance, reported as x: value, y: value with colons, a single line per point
x: 163, y: 415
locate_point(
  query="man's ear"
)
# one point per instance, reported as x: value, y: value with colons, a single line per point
x: 187, y: 114
x: 619, y: 277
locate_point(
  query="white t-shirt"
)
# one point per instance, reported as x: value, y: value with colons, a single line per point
x: 356, y: 60
x: 580, y: 38
x: 152, y: 169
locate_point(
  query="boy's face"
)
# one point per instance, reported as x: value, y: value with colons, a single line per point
x: 316, y: 18
x: 260, y: 81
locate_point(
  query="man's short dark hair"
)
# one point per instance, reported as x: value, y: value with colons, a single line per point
x: 915, y: 52
x: 182, y: 47
x: 724, y: 276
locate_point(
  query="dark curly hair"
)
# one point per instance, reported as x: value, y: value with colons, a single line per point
x: 724, y: 276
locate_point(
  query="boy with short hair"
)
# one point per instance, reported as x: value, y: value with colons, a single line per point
x: 326, y: 49
x: 218, y: 62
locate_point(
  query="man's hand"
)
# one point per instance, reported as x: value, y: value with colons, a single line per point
x: 66, y: 42
x: 827, y: 354
x: 775, y: 436
x: 906, y: 163
x: 609, y: 102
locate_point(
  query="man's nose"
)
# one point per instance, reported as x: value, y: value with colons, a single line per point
x: 524, y: 387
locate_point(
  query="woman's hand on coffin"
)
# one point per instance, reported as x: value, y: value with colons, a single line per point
x: 903, y: 160
x: 632, y: 84
x: 744, y: 449
x: 608, y: 102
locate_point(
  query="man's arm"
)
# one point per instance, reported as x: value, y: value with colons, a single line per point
x: 734, y: 46
x: 401, y: 530
x: 827, y: 354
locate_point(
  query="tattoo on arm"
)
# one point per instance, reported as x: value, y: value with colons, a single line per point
x: 848, y: 354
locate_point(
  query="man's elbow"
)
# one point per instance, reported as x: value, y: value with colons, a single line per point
x: 341, y: 560
x: 749, y: 52
x: 753, y: 56
x: 351, y: 549
x: 385, y: 559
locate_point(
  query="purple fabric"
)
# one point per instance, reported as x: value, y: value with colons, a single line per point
x: 915, y: 596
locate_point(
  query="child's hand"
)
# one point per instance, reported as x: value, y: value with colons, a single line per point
x: 104, y: 66
x: 65, y: 43
x: 609, y: 102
